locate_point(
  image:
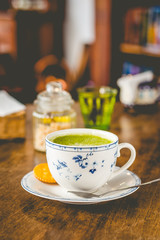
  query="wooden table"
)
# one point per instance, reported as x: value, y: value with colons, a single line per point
x: 27, y: 217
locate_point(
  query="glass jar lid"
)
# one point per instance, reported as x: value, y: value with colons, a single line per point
x: 53, y: 99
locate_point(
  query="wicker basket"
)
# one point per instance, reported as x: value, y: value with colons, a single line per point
x: 13, y: 126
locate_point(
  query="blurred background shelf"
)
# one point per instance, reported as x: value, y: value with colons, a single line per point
x: 126, y: 40
x: 135, y: 37
x: 139, y: 50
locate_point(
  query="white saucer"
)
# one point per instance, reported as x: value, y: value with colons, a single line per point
x: 56, y: 192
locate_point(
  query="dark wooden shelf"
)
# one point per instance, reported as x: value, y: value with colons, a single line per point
x: 139, y: 50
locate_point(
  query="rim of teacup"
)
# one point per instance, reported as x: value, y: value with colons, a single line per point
x: 113, y: 137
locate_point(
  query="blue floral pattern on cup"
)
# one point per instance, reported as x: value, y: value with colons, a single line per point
x: 77, y: 177
x: 92, y: 170
x: 60, y: 165
x: 82, y: 162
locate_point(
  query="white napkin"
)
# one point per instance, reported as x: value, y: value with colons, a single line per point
x: 9, y: 105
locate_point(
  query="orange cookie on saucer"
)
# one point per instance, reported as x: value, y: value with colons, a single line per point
x: 42, y: 173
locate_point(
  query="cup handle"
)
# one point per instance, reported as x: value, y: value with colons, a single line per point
x: 129, y: 162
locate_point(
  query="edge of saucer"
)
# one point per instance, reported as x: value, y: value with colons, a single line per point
x: 79, y: 201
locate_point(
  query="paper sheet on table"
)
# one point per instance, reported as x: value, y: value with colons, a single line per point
x: 9, y: 105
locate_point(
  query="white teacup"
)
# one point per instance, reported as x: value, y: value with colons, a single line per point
x: 85, y: 168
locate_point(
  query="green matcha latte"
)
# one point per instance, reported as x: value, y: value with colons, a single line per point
x: 80, y: 140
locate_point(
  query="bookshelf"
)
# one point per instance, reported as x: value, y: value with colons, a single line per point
x: 135, y: 36
x: 138, y: 50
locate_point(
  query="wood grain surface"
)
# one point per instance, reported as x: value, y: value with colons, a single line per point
x: 27, y: 217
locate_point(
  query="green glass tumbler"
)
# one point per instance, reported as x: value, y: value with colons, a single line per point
x: 97, y: 105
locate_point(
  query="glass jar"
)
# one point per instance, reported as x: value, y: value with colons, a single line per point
x: 53, y: 111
